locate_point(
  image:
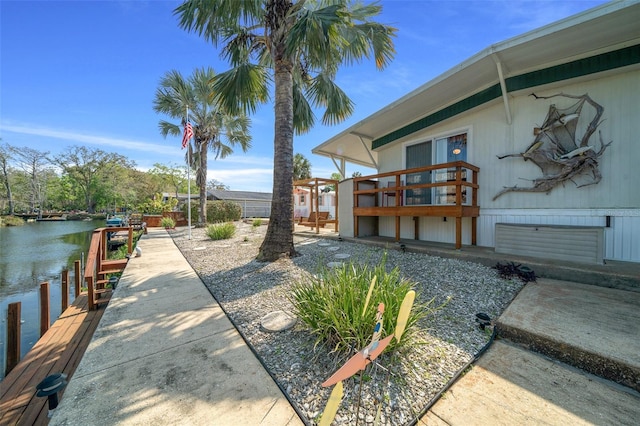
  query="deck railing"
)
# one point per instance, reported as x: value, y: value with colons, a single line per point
x: 97, y: 266
x: 446, y: 190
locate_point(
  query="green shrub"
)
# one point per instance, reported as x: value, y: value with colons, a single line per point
x: 331, y: 305
x: 167, y: 222
x: 221, y: 231
x: 256, y: 223
x: 155, y: 205
x: 223, y: 211
x: 11, y: 221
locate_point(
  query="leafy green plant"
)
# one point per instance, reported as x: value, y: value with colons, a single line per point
x: 256, y: 223
x: 167, y: 222
x: 331, y: 304
x: 157, y: 205
x: 221, y: 231
x: 223, y: 211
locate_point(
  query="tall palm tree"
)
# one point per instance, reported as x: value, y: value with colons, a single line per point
x: 213, y: 129
x: 301, y: 167
x: 299, y: 46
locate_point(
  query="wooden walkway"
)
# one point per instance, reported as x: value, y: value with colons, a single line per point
x: 59, y: 350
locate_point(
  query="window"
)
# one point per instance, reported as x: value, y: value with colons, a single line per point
x: 302, y: 199
x: 438, y: 150
x: 320, y: 200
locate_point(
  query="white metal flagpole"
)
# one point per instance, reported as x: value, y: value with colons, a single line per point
x: 188, y: 180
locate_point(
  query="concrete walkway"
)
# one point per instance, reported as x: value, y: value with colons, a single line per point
x: 594, y: 328
x: 166, y: 354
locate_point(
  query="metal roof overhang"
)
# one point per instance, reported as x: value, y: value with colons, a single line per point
x: 606, y: 28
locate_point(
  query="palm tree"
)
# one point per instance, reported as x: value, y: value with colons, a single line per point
x: 213, y: 129
x: 299, y: 46
x: 301, y: 167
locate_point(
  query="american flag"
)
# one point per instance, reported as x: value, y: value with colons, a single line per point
x: 188, y: 134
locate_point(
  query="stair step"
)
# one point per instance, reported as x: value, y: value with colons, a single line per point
x: 589, y: 327
x: 110, y: 271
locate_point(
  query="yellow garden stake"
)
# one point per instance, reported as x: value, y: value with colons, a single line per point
x: 403, y: 314
x: 331, y: 409
x: 366, y: 301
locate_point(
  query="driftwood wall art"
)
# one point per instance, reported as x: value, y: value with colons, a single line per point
x: 557, y: 152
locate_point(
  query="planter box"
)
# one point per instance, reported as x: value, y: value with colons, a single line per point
x: 154, y: 220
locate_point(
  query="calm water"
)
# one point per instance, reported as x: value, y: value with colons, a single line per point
x: 30, y: 255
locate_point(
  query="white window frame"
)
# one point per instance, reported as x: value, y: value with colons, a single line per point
x: 436, y: 152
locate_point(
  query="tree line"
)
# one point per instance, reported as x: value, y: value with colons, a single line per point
x: 82, y: 179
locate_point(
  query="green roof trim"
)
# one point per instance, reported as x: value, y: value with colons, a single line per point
x: 593, y: 64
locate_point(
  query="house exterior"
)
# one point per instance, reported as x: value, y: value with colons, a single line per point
x: 529, y: 146
x: 254, y: 204
x: 326, y: 202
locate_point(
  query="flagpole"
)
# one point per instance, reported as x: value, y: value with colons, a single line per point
x: 188, y: 180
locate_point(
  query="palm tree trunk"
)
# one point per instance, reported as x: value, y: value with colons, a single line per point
x: 279, y: 237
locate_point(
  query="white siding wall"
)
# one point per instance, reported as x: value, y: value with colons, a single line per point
x: 490, y: 136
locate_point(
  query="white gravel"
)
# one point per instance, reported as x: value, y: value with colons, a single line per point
x: 248, y: 290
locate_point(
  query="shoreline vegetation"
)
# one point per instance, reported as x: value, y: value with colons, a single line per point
x: 9, y: 220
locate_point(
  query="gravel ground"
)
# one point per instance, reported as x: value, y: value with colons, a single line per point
x: 248, y: 290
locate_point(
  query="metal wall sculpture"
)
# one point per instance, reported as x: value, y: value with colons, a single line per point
x: 557, y: 152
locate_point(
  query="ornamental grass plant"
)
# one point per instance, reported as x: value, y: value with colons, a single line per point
x: 221, y: 231
x: 331, y: 304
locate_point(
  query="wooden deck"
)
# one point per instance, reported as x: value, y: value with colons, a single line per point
x: 59, y: 350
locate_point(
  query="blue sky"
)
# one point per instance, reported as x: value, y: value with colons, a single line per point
x: 85, y: 73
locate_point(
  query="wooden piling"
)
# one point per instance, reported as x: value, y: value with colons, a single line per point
x: 45, y: 313
x: 77, y: 277
x: 64, y: 281
x: 13, y: 335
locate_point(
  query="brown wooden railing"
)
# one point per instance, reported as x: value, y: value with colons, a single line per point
x: 97, y: 266
x: 446, y: 190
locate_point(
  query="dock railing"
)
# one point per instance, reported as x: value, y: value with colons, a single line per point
x: 98, y: 267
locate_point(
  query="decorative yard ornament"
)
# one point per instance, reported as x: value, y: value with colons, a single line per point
x: 364, y: 357
x: 557, y: 152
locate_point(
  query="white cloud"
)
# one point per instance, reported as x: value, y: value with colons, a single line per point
x: 100, y: 141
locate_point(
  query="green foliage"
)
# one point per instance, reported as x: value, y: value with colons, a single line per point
x: 11, y: 221
x: 157, y: 205
x: 256, y: 223
x: 221, y: 231
x: 167, y: 222
x: 331, y: 305
x: 119, y: 253
x: 223, y: 211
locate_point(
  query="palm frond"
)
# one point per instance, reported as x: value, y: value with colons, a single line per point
x: 303, y: 116
x: 241, y: 89
x: 212, y: 18
x: 325, y: 92
x: 169, y: 129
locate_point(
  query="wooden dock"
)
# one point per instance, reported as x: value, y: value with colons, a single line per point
x: 59, y: 350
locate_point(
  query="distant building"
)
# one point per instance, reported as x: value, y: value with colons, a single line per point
x: 326, y: 202
x: 253, y: 204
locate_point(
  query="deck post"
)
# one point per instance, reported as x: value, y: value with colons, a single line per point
x: 458, y: 232
x: 13, y: 336
x: 90, y: 295
x: 65, y: 290
x: 77, y: 278
x: 130, y: 240
x: 45, y: 315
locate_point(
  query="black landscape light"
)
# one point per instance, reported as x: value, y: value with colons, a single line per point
x: 483, y: 320
x: 50, y: 387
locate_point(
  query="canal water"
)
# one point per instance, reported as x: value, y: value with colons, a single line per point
x: 30, y: 255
